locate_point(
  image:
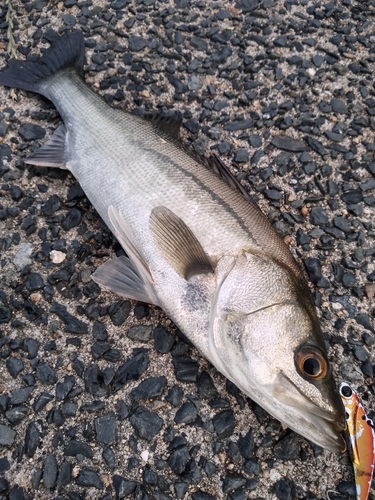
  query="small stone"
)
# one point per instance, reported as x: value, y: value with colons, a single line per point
x: 201, y: 495
x: 175, y: 395
x: 352, y: 196
x: 149, y: 388
x: 71, y: 323
x: 64, y: 474
x: 89, y: 478
x: 137, y: 43
x: 224, y: 423
x: 131, y: 370
x: 142, y: 333
x: 146, y: 423
x: 178, y: 459
x: 314, y: 269
x: 14, y: 366
x: 63, y: 388
x: 51, y: 205
x: 32, y: 440
x: 233, y: 483
x: 119, y: 311
x: 31, y: 132
x: 72, y: 219
x: 22, y: 257
x: 186, y: 414
x: 318, y: 216
x: 105, y: 428
x: 186, y: 369
x: 50, y: 471
x: 123, y: 487
x: 361, y: 353
x: 34, y: 282
x: 94, y: 381
x: 289, y: 144
x: 287, y: 448
x: 284, y: 489
x: 42, y: 401
x: 17, y: 414
x: 246, y: 445
x: 338, y: 106
x: 163, y: 340
x: 74, y: 448
x: 45, y: 373
x: 206, y: 387
x: 57, y: 257
x: 7, y: 435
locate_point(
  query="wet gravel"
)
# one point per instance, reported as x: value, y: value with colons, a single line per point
x: 102, y: 397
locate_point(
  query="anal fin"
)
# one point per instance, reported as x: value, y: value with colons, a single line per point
x: 52, y: 153
x: 178, y: 244
x: 121, y: 276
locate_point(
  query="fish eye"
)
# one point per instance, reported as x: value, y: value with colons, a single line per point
x: 346, y: 391
x: 311, y: 363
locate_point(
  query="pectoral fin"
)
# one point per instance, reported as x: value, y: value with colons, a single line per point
x: 52, y: 153
x: 130, y: 278
x: 177, y: 243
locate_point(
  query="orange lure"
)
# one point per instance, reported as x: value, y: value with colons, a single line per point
x: 362, y: 440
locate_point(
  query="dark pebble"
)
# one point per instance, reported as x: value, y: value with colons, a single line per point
x: 94, y: 381
x: 31, y: 346
x: 72, y: 219
x: 131, y: 370
x: 4, y: 464
x: 51, y: 205
x: 109, y: 457
x: 178, y: 459
x: 65, y: 474
x: 186, y: 369
x: 180, y: 489
x: 252, y: 467
x: 16, y: 493
x: 32, y: 440
x: 287, y: 448
x: 7, y: 435
x: 74, y: 448
x: 352, y: 197
x: 233, y: 483
x: 63, y: 388
x: 175, y: 395
x: 338, y: 106
x: 119, y: 311
x: 50, y: 471
x: 34, y: 282
x: 4, y: 485
x: 43, y: 399
x: 364, y: 320
x: 361, y: 353
x: 123, y: 487
x: 186, y: 414
x: 137, y: 43
x: 14, y: 366
x: 105, y: 428
x: 246, y: 444
x: 224, y: 423
x: 163, y: 340
x: 318, y: 216
x: 149, y: 388
x: 201, y: 495
x: 31, y: 132
x: 88, y: 478
x: 122, y: 410
x: 45, y: 373
x: 289, y: 144
x: 284, y: 489
x: 17, y: 414
x: 314, y: 269
x: 206, y: 387
x: 20, y: 396
x: 71, y: 323
x: 142, y: 333
x: 146, y: 423
x: 347, y: 488
x: 316, y: 146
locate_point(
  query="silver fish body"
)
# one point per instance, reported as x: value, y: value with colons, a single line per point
x: 197, y: 248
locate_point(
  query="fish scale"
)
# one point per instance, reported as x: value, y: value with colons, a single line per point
x: 196, y: 246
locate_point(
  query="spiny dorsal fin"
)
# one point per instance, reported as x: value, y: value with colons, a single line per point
x: 177, y: 243
x: 169, y: 124
x: 52, y: 153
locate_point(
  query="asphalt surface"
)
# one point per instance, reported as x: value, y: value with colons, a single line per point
x: 101, y: 397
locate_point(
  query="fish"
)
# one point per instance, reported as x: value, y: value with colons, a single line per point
x: 196, y: 245
x: 361, y: 437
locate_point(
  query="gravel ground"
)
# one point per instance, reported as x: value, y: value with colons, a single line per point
x: 101, y: 397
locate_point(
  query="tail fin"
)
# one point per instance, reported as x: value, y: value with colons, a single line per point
x: 66, y: 51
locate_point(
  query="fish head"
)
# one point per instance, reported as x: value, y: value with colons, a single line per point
x: 271, y: 346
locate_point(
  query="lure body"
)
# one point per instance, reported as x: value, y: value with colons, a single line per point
x: 361, y: 435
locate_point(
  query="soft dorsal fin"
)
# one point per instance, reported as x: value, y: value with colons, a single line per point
x: 52, y: 153
x: 222, y: 170
x: 177, y: 243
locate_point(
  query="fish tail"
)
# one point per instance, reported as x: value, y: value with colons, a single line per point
x: 66, y: 52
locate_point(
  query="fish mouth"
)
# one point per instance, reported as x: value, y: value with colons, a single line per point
x: 321, y: 426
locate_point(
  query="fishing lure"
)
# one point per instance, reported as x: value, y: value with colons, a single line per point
x: 361, y: 436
